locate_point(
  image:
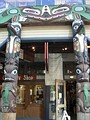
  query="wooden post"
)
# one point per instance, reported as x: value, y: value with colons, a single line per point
x: 82, y: 70
x: 9, y: 86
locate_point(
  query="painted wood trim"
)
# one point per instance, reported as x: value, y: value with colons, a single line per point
x: 45, y: 14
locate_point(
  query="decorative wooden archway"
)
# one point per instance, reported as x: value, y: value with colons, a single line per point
x: 13, y: 18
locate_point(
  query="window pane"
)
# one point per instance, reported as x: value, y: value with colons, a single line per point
x: 74, y: 1
x: 36, y: 94
x: 21, y: 94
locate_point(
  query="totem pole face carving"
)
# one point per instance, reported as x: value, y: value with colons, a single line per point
x: 82, y: 71
x: 83, y: 97
x: 14, y: 29
x: 80, y: 49
x: 82, y: 68
x: 13, y: 49
x: 80, y: 42
x: 9, y: 86
x: 11, y: 73
x: 78, y: 27
x: 14, y: 45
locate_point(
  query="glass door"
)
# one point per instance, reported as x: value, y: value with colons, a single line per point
x: 60, y: 98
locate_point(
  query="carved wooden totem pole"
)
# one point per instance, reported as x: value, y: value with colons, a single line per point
x: 9, y: 86
x: 82, y: 71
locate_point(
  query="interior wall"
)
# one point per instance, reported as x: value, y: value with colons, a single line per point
x: 65, y: 56
x: 68, y: 57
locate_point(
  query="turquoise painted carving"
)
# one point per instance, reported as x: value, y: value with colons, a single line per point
x: 45, y: 13
x: 6, y: 93
x: 86, y: 93
x: 10, y: 15
x: 81, y: 12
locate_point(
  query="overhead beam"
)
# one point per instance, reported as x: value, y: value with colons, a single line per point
x: 46, y: 14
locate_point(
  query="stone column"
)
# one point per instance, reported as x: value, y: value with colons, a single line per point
x: 82, y: 71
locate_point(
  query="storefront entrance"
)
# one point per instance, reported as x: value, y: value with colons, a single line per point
x: 33, y: 100
x: 71, y: 97
x: 32, y: 75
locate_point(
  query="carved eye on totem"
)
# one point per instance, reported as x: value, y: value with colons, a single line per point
x: 78, y: 71
x: 88, y: 70
x: 17, y: 29
x: 76, y: 27
x: 14, y: 72
x: 75, y: 39
x: 5, y: 72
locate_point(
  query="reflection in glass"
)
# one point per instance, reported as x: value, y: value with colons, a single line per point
x: 61, y: 93
x: 21, y: 94
x: 36, y: 94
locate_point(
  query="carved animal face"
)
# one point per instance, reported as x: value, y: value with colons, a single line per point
x: 80, y: 48
x: 82, y: 72
x: 83, y: 97
x: 78, y: 27
x: 11, y: 73
x: 14, y: 29
x: 13, y: 46
x: 80, y: 43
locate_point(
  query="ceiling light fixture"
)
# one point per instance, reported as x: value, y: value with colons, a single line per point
x: 88, y: 46
x: 33, y: 48
x: 66, y: 48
